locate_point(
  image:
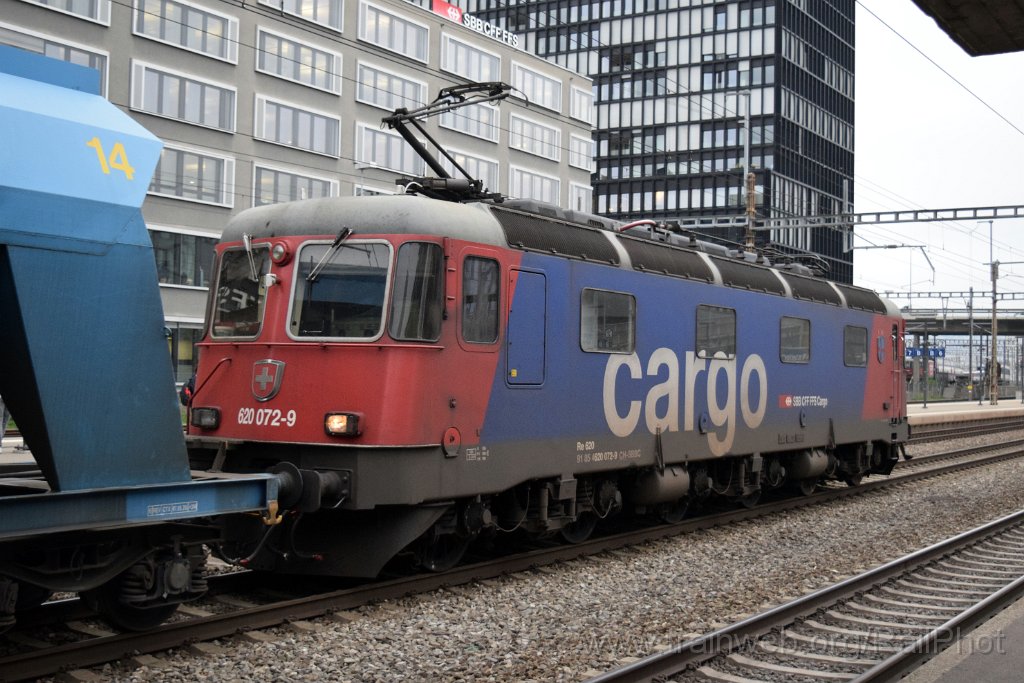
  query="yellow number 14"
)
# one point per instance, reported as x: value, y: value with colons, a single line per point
x: 118, y: 158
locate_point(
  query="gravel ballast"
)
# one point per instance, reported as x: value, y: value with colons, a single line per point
x: 562, y: 621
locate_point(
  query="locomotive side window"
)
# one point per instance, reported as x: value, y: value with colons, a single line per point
x: 794, y: 340
x: 855, y: 346
x: 239, y: 308
x: 607, y: 322
x: 418, y: 300
x: 345, y: 296
x: 480, y: 284
x: 716, y: 332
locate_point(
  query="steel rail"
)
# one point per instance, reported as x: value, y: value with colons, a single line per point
x: 104, y: 649
x: 731, y: 637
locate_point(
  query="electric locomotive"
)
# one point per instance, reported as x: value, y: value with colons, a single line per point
x: 449, y: 370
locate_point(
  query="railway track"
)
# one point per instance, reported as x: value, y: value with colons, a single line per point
x: 952, y: 430
x: 244, y: 601
x: 877, y: 626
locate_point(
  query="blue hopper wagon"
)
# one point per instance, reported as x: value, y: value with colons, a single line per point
x: 109, y: 508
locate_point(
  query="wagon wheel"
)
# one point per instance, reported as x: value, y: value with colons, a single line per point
x: 674, y: 512
x: 440, y: 552
x: 31, y: 596
x: 580, y: 530
x: 105, y: 600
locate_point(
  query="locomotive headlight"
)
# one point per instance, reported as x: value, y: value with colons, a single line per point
x: 341, y: 424
x: 280, y: 254
x: 206, y: 418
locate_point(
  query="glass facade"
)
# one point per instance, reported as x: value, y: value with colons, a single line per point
x: 673, y: 84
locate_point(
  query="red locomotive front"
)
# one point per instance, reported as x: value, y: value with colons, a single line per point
x: 321, y: 341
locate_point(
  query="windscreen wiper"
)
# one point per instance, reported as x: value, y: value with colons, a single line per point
x: 335, y: 246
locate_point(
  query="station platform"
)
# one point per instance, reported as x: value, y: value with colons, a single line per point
x: 961, y: 411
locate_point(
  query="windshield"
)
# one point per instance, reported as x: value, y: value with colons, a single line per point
x: 239, y: 304
x: 346, y: 299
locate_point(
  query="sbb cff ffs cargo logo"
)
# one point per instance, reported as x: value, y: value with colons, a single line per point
x: 446, y: 9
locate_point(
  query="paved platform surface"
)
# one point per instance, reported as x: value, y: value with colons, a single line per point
x: 961, y: 411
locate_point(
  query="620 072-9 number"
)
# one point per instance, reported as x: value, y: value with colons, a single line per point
x: 266, y: 417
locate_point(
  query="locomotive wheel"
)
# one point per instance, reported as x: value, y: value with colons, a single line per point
x: 440, y: 552
x: 750, y: 500
x: 674, y: 512
x: 807, y: 486
x: 853, y: 480
x: 580, y: 530
x: 126, y: 617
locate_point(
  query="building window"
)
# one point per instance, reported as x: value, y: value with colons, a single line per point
x: 607, y: 322
x: 468, y: 61
x: 182, y: 343
x: 392, y: 32
x: 581, y: 153
x: 480, y: 300
x: 537, y: 88
x: 478, y: 168
x: 296, y: 61
x: 855, y: 346
x: 716, y: 332
x: 55, y: 48
x: 581, y: 197
x: 286, y: 125
x: 385, y: 149
x: 535, y: 138
x: 183, y: 259
x: 194, y: 176
x: 188, y: 26
x: 272, y: 186
x: 477, y: 120
x: 384, y: 89
x: 525, y: 184
x: 794, y: 340
x: 180, y: 97
x: 364, y: 191
x: 93, y: 10
x: 324, y: 12
x: 581, y: 106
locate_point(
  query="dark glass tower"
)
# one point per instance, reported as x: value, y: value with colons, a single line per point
x: 672, y: 82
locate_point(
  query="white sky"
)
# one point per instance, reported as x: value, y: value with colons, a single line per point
x: 922, y: 141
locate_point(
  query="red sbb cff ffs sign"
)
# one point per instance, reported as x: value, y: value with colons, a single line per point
x: 453, y: 13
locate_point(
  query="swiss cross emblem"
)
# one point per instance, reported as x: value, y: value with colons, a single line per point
x: 266, y: 378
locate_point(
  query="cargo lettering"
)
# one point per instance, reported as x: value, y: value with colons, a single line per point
x: 661, y: 406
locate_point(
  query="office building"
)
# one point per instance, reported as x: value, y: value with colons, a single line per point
x: 673, y: 81
x: 274, y: 100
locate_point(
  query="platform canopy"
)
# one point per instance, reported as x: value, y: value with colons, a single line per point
x: 980, y: 27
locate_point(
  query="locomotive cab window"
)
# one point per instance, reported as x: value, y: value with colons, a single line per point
x: 716, y: 332
x: 417, y: 304
x: 794, y: 340
x: 339, y: 290
x: 480, y: 284
x: 607, y: 322
x: 855, y: 346
x: 238, y: 310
